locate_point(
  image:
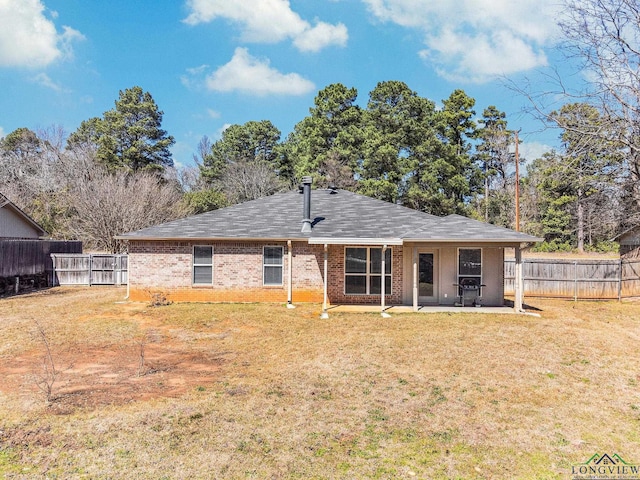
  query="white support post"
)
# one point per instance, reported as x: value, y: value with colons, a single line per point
x: 290, y: 275
x: 519, y: 283
x: 383, y: 284
x: 415, y: 279
x: 325, y: 314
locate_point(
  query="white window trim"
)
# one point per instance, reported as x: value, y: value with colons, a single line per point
x: 194, y: 264
x: 368, y: 274
x: 273, y: 265
x: 458, y: 276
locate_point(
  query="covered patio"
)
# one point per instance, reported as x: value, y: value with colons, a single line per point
x: 414, y: 282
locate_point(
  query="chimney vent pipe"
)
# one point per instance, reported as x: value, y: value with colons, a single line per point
x: 306, y: 211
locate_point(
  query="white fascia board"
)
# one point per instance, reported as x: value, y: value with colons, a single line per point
x: 472, y: 240
x: 354, y: 241
x: 208, y: 239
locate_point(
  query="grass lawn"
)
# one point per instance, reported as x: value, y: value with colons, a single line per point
x: 259, y: 391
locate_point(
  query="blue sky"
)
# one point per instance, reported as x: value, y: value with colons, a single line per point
x: 212, y: 63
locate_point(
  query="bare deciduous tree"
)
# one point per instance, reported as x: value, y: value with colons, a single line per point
x: 109, y: 204
x: 604, y: 35
x: 46, y: 379
x: 73, y: 196
x: 243, y: 181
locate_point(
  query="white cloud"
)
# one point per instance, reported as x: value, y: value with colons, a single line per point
x: 476, y: 40
x: 220, y: 131
x: 28, y: 38
x: 213, y: 113
x: 44, y: 80
x: 251, y: 75
x: 268, y: 21
x: 194, y: 77
x: 323, y: 34
x: 69, y: 35
x: 532, y: 150
x: 2, y: 134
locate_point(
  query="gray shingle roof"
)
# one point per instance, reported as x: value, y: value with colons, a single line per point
x: 335, y: 215
x: 457, y: 227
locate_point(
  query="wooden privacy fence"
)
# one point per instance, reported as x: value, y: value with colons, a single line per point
x: 576, y: 279
x: 543, y: 277
x: 90, y: 269
x: 22, y: 258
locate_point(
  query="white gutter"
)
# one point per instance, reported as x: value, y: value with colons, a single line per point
x: 402, y: 241
x: 210, y: 239
x: 331, y: 240
x: 514, y: 241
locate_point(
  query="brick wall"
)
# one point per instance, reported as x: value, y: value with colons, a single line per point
x: 336, y: 276
x: 166, y: 268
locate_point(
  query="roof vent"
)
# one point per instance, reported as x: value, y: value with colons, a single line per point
x: 306, y: 210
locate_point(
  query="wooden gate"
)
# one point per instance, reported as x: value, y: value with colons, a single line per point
x: 90, y: 269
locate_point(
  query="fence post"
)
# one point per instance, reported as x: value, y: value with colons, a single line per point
x: 575, y: 280
x: 52, y: 274
x: 620, y: 280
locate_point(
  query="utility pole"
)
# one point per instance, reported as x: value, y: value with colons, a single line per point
x: 517, y: 186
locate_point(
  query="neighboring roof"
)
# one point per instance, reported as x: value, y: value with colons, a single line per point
x: 9, y: 205
x: 629, y: 232
x: 338, y: 216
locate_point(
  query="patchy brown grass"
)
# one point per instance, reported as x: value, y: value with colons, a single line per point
x: 259, y: 391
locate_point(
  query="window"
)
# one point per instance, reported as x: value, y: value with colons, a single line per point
x: 470, y: 266
x: 363, y: 271
x: 202, y: 265
x: 272, y: 265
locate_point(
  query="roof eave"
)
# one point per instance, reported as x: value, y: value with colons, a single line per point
x: 209, y: 239
x: 330, y: 240
x: 473, y: 240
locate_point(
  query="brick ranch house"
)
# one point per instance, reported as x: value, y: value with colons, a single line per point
x: 335, y: 252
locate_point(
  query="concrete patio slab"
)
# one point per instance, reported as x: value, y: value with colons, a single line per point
x: 424, y: 309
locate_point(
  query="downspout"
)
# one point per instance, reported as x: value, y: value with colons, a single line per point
x: 383, y: 284
x: 289, y: 274
x: 325, y: 314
